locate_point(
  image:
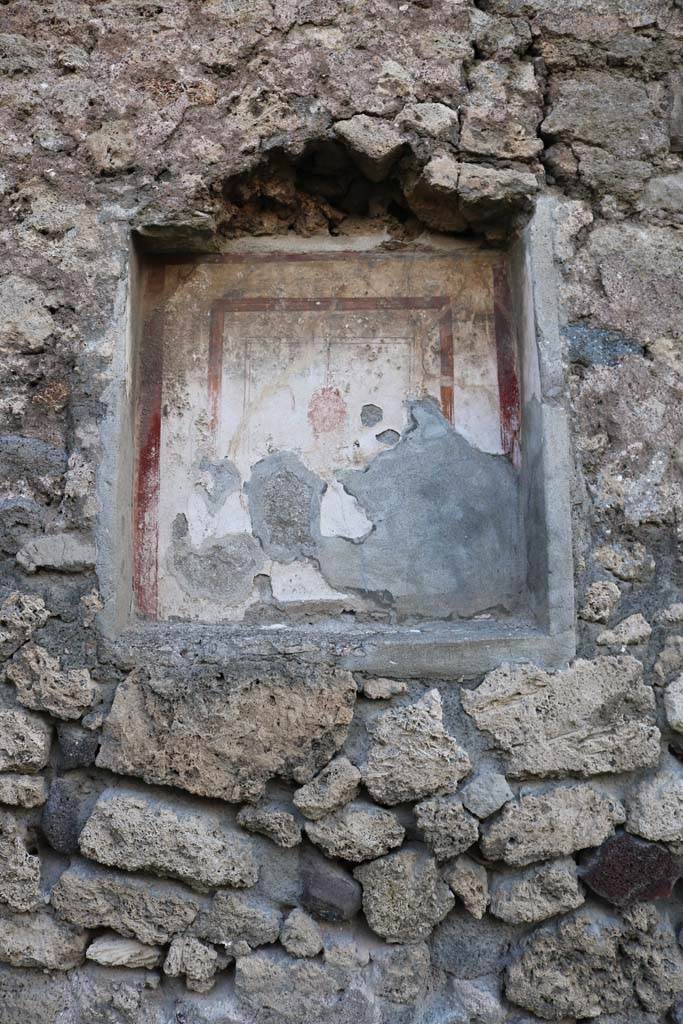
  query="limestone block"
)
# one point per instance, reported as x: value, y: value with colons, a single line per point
x: 42, y: 686
x: 272, y: 821
x: 447, y: 828
x: 673, y: 703
x: 402, y: 972
x: 633, y: 630
x: 374, y: 144
x: 169, y: 837
x: 194, y: 959
x: 26, y: 321
x: 135, y: 906
x: 502, y: 111
x: 626, y: 562
x: 594, y: 717
x: 113, y: 950
x: 239, y: 917
x: 224, y: 736
x: 434, y: 120
x: 601, y: 599
x: 333, y: 787
x: 608, y: 110
x: 300, y: 935
x: 537, y: 893
x: 670, y: 659
x: 20, y: 616
x: 61, y: 552
x: 24, y: 741
x: 23, y: 790
x: 411, y: 755
x: 554, y: 823
x: 404, y: 896
x: 383, y: 689
x: 360, y: 831
x: 327, y: 889
x: 490, y: 193
x: 20, y: 875
x: 486, y: 793
x: 40, y: 940
x: 563, y: 966
x: 655, y: 807
x: 112, y: 147
x: 469, y: 881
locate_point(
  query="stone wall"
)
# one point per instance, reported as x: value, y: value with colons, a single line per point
x: 222, y: 829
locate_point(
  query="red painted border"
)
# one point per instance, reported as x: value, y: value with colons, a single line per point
x: 146, y: 492
x: 508, y: 382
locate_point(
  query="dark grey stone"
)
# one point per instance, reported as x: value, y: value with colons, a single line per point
x: 592, y: 346
x: 371, y: 414
x: 68, y: 807
x: 327, y: 889
x: 77, y: 747
x: 284, y: 502
x: 467, y: 948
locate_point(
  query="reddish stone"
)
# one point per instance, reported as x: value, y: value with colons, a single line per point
x: 626, y: 869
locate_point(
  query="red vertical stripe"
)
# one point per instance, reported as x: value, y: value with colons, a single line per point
x: 508, y: 383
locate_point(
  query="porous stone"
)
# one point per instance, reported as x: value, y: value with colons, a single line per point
x: 300, y: 935
x: 69, y: 803
x: 360, y: 831
x: 486, y: 793
x: 601, y: 599
x: 59, y: 552
x: 20, y: 615
x: 412, y: 755
x: 402, y: 972
x: 673, y: 704
x: 76, y: 747
x: 23, y: 790
x: 20, y: 877
x: 594, y: 717
x: 469, y: 881
x: 445, y: 825
x: 43, y: 686
x: 27, y: 322
x: 25, y: 741
x: 563, y: 967
x: 327, y: 889
x: 404, y: 896
x: 30, y: 995
x: 193, y: 959
x: 670, y: 659
x: 627, y: 562
x: 633, y: 630
x: 213, y: 753
x: 383, y: 689
x: 112, y: 147
x: 141, y: 832
x: 435, y: 120
x: 537, y: 893
x: 272, y: 821
x: 40, y: 940
x: 655, y: 807
x: 274, y: 986
x: 626, y: 870
x: 553, y: 823
x: 374, y: 144
x: 113, y: 950
x: 502, y: 110
x: 239, y: 917
x: 334, y: 786
x: 133, y: 905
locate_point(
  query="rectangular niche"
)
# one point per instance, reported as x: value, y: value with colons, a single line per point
x: 349, y: 439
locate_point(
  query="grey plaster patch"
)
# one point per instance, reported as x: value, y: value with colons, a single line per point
x: 388, y: 436
x: 284, y: 502
x: 371, y: 415
x: 224, y: 479
x: 226, y: 567
x: 447, y: 536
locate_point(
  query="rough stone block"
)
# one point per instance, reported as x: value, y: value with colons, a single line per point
x: 236, y: 917
x: 42, y: 686
x: 486, y: 794
x: 411, y: 754
x: 59, y: 552
x: 20, y: 616
x: 446, y: 827
x: 537, y: 893
x: 300, y: 935
x: 469, y: 881
x: 551, y: 824
x: 199, y: 733
x: 327, y: 889
x: 655, y: 807
x: 374, y: 144
x: 171, y: 837
x: 360, y: 831
x: 334, y: 786
x: 194, y: 960
x: 77, y: 747
x: 25, y: 741
x: 20, y: 875
x: 40, y: 940
x: 23, y: 790
x: 133, y: 905
x: 273, y: 821
x: 404, y: 895
x: 113, y: 950
x: 595, y: 717
x: 626, y: 869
